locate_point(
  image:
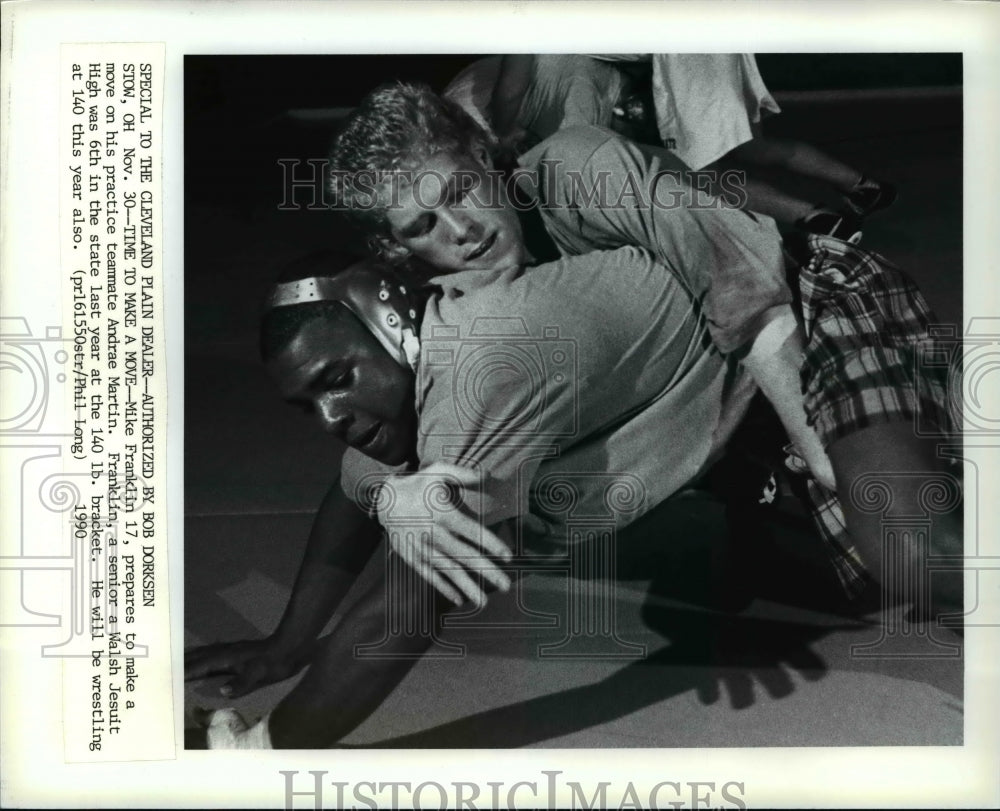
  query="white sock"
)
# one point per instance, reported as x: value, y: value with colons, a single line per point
x: 228, y: 730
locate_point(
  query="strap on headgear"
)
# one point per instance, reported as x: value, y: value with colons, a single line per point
x: 379, y: 299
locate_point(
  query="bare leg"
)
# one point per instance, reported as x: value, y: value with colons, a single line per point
x: 766, y: 199
x: 760, y: 196
x: 798, y: 157
x: 885, y: 450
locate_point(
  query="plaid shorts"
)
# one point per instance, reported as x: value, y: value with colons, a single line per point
x: 867, y: 327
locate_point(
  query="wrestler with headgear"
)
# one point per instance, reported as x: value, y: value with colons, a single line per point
x: 621, y: 363
x: 650, y: 395
x: 345, y: 347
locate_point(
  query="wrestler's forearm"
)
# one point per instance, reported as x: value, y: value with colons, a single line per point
x: 341, y: 541
x: 343, y: 686
x: 774, y: 359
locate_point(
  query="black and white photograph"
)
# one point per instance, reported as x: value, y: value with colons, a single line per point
x: 499, y: 405
x: 573, y: 401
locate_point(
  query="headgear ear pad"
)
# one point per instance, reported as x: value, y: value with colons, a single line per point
x: 377, y: 296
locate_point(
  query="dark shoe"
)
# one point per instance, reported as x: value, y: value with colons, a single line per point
x: 840, y: 224
x: 869, y: 196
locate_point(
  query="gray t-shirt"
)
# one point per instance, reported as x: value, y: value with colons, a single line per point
x: 585, y: 388
x: 597, y: 190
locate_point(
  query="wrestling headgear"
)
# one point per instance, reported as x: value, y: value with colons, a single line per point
x: 377, y: 296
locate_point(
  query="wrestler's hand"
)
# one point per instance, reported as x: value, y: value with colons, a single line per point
x: 816, y: 459
x: 774, y: 360
x: 459, y: 545
x: 250, y: 664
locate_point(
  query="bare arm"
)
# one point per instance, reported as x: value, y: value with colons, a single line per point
x: 343, y: 686
x: 730, y: 261
x: 341, y: 541
x: 774, y: 358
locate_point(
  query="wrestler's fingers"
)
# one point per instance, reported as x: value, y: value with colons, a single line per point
x: 465, y: 555
x: 439, y: 565
x: 242, y: 684
x: 448, y: 558
x: 421, y: 565
x: 468, y: 527
x: 456, y: 573
x: 410, y: 546
x: 708, y: 686
x: 465, y: 476
x: 438, y: 581
x: 819, y: 465
x: 420, y: 545
x: 414, y: 554
x: 823, y: 471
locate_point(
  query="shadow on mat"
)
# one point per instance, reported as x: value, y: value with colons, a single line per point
x: 710, y: 654
x: 687, y: 543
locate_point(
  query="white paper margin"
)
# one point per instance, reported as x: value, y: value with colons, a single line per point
x: 34, y: 772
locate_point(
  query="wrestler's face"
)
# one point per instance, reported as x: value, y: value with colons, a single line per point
x: 452, y: 218
x: 335, y: 369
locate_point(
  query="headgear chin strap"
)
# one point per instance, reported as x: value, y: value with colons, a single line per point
x: 377, y: 297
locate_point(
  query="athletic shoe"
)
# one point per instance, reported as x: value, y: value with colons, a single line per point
x: 840, y: 224
x: 869, y: 196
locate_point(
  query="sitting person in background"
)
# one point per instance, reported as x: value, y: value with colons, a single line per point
x: 706, y: 108
x: 710, y: 108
